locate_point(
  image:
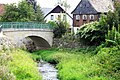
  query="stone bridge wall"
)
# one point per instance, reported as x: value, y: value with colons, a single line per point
x: 40, y: 38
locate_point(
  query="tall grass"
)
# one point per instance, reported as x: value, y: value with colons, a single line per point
x: 84, y: 65
x: 23, y: 66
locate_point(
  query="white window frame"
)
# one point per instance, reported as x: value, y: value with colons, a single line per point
x: 77, y: 17
x: 84, y: 17
x: 52, y: 17
x: 92, y: 17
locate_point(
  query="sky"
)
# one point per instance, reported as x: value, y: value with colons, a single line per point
x: 46, y: 3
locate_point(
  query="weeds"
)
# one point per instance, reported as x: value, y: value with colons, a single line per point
x: 85, y: 64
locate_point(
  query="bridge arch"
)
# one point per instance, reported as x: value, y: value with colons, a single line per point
x: 40, y: 42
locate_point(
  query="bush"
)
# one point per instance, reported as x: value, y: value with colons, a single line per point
x: 59, y: 28
x: 109, y: 61
x: 91, y: 34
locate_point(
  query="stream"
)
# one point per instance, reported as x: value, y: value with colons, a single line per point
x: 48, y: 71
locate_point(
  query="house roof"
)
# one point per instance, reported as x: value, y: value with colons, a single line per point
x: 102, y: 5
x: 93, y: 7
x: 2, y: 7
x: 84, y: 7
x: 57, y: 9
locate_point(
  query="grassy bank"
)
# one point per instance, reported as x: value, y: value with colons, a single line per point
x: 84, y: 64
x: 19, y: 65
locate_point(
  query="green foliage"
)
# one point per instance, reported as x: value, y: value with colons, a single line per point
x: 53, y: 23
x: 60, y: 29
x: 39, y: 16
x: 91, y: 34
x: 74, y: 65
x: 109, y: 61
x: 113, y: 17
x: 23, y: 67
x: 117, y: 7
x: 17, y: 65
x: 21, y: 13
x: 5, y: 73
x: 26, y: 11
x: 11, y: 13
x: 112, y: 20
x: 113, y: 37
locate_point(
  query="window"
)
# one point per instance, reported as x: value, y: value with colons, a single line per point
x: 64, y: 17
x: 77, y: 17
x: 91, y: 17
x: 84, y: 17
x: 59, y: 17
x: 52, y: 17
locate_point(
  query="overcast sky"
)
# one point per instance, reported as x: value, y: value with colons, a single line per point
x: 46, y: 3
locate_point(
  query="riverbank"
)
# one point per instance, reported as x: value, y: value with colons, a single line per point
x: 23, y: 66
x: 83, y: 64
x: 16, y: 64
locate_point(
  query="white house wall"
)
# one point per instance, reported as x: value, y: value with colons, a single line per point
x: 69, y: 20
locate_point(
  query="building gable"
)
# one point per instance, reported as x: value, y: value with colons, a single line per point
x: 84, y: 7
x: 58, y: 9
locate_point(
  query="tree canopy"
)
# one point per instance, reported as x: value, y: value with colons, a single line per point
x: 22, y: 12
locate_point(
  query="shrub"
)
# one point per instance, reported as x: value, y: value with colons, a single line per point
x: 91, y: 34
x: 109, y: 61
x: 59, y: 30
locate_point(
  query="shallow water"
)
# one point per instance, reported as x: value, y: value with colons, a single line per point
x: 48, y: 71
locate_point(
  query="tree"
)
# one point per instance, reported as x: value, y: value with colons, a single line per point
x: 117, y: 7
x: 22, y: 12
x: 113, y: 18
x: 64, y: 4
x: 39, y: 14
x: 26, y: 11
x: 11, y: 13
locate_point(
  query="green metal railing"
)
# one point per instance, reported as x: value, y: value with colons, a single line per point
x: 25, y: 25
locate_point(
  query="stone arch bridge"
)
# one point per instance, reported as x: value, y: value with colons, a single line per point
x: 41, y: 34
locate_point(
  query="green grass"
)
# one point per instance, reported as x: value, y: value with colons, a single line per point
x: 84, y: 64
x: 23, y: 66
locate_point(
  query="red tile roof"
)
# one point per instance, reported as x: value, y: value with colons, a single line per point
x: 118, y: 0
x: 2, y: 6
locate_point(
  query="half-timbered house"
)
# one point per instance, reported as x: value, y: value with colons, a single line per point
x: 89, y: 11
